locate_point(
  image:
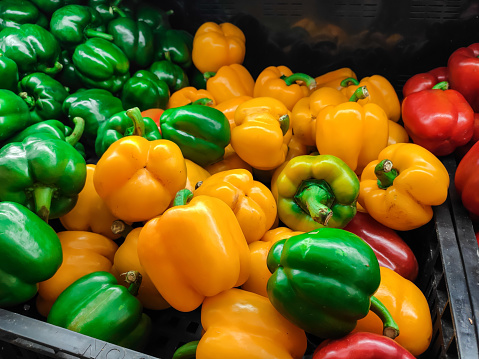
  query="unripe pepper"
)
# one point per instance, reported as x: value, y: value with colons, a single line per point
x: 14, y: 13
x: 145, y: 91
x: 14, y: 114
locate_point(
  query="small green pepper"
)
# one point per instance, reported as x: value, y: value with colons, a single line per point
x: 8, y: 74
x: 155, y: 17
x: 14, y: 114
x: 174, y: 76
x: 144, y: 90
x: 14, y: 13
x: 175, y: 46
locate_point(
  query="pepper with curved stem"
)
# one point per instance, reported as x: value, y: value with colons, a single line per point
x: 360, y: 94
x: 315, y: 197
x: 349, y: 81
x: 385, y: 173
x: 291, y: 79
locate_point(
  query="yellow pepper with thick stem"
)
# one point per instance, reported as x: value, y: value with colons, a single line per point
x: 262, y: 132
x: 400, y: 186
x: 334, y: 78
x: 188, y: 95
x: 229, y: 82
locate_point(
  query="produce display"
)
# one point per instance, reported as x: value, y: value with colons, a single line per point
x: 144, y: 168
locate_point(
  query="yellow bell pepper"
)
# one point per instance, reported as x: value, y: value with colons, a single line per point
x: 229, y: 82
x: 409, y: 308
x: 126, y: 259
x: 217, y: 45
x: 399, y: 188
x: 280, y: 83
x: 251, y: 201
x: 194, y: 250
x: 194, y: 174
x: 397, y: 133
x: 229, y: 107
x: 334, y: 78
x: 262, y: 132
x: 230, y: 161
x: 259, y: 274
x: 188, y: 95
x: 137, y: 178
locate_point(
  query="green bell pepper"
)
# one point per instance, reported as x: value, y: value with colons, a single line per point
x: 30, y: 250
x: 201, y: 132
x: 174, y: 76
x: 144, y: 90
x: 196, y: 78
x: 97, y: 306
x: 175, y: 46
x: 108, y: 9
x: 14, y: 114
x: 155, y: 17
x: 14, y: 13
x: 33, y: 49
x: 323, y: 282
x: 101, y: 64
x: 122, y: 124
x: 44, y: 95
x: 8, y: 74
x: 68, y: 76
x: 50, y: 6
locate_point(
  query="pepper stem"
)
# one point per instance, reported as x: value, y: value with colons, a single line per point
x: 385, y: 173
x: 121, y: 228
x: 138, y: 123
x: 204, y: 101
x: 57, y: 67
x: 43, y: 199
x: 360, y: 94
x: 315, y: 197
x: 443, y: 85
x: 390, y: 327
x: 186, y: 351
x: 77, y: 131
x: 30, y: 101
x: 284, y: 124
x: 115, y: 8
x: 134, y: 278
x: 182, y: 197
x: 95, y: 33
x: 209, y: 74
x: 308, y: 80
x: 349, y: 81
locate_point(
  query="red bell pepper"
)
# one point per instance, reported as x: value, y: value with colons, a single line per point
x: 391, y: 251
x: 424, y: 81
x: 361, y: 345
x: 463, y: 73
x: 466, y: 180
x: 462, y: 150
x: 439, y: 119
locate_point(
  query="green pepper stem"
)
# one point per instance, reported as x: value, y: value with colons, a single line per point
x: 57, y: 67
x: 360, y: 94
x: 390, y: 327
x: 204, y: 101
x: 349, y: 81
x: 77, y: 131
x: 30, y: 101
x: 95, y: 33
x: 315, y: 197
x: 134, y: 278
x: 138, y: 123
x: 186, y: 351
x: 385, y: 173
x: 182, y: 197
x: 308, y: 80
x: 169, y: 12
x: 209, y: 74
x: 284, y: 124
x: 115, y: 8
x: 121, y: 228
x: 443, y: 85
x: 43, y: 199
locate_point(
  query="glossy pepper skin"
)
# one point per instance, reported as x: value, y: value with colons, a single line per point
x: 229, y: 82
x: 229, y: 107
x: 439, y: 119
x: 137, y: 179
x: 68, y: 76
x: 194, y: 174
x: 33, y: 48
x: 425, y: 81
x: 316, y: 191
x: 97, y: 306
x: 14, y: 114
x: 399, y: 188
x: 108, y: 9
x: 155, y: 17
x: 410, y: 309
x: 189, y: 95
x: 323, y: 281
x: 195, y: 250
x: 334, y: 78
x: 50, y: 6
x: 14, y: 13
x: 201, y: 132
x: 174, y: 76
x: 216, y: 45
x: 230, y: 161
x: 145, y: 91
x: 251, y: 201
x: 31, y: 252
x: 83, y: 253
x: 466, y: 180
x: 8, y: 74
x: 174, y: 45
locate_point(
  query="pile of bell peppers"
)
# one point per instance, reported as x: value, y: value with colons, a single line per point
x: 143, y: 168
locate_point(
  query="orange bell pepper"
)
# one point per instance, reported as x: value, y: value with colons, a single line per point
x: 229, y: 82
x: 188, y: 95
x: 194, y: 174
x: 229, y: 107
x: 217, y: 45
x: 230, y: 161
x: 83, y: 253
x: 90, y: 212
x: 251, y: 201
x: 138, y: 178
x: 409, y: 308
x: 126, y: 259
x: 280, y: 83
x: 397, y: 133
x: 262, y: 132
x: 154, y: 114
x: 334, y: 78
x: 194, y: 250
x: 259, y: 250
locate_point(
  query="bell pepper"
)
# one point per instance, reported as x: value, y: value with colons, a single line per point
x: 462, y: 150
x: 43, y: 173
x: 399, y: 188
x: 8, y: 73
x: 14, y: 13
x: 361, y: 345
x: 50, y: 6
x: 108, y: 9
x: 230, y: 161
x: 259, y: 274
x: 397, y: 133
x: 410, y: 309
x: 174, y: 76
x: 439, y: 119
x: 391, y: 251
x: 155, y: 17
x: 195, y: 175
x: 262, y: 132
x: 316, y: 191
x: 83, y: 253
x: 137, y: 179
x: 334, y: 78
x: 229, y: 107
x: 466, y: 180
x: 280, y: 83
x: 195, y: 250
x: 353, y: 132
x: 241, y: 324
x: 44, y: 95
x: 100, y: 64
x: 251, y: 201
x: 217, y: 45
x: 31, y: 252
x: 201, y: 132
x: 97, y: 306
x: 154, y: 114
x: 144, y: 90
x: 174, y: 45
x: 188, y: 95
x: 122, y: 124
x: 425, y: 81
x: 14, y: 114
x: 463, y: 75
x: 324, y: 280
x: 230, y: 81
x: 68, y: 77
x: 33, y: 48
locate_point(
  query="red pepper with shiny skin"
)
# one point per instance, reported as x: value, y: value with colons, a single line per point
x: 425, y: 81
x: 466, y: 180
x: 390, y: 249
x: 361, y: 345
